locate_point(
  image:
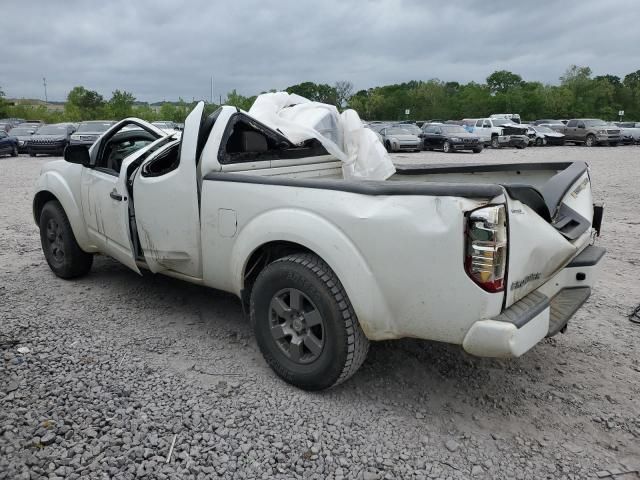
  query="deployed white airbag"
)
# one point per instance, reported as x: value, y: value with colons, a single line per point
x: 299, y: 119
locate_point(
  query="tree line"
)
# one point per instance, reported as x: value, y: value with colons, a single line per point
x: 579, y: 94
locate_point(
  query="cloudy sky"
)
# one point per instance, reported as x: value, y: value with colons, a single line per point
x: 162, y: 49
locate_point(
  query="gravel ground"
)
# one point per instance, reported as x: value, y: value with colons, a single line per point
x: 109, y: 370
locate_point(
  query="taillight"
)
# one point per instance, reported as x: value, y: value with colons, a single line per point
x: 486, y: 247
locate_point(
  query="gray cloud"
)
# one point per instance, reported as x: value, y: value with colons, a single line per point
x: 161, y: 49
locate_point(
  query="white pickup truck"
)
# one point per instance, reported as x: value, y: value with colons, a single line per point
x: 501, y: 132
x: 491, y: 257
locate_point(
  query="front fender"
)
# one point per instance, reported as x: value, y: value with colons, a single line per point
x: 55, y: 184
x: 329, y: 243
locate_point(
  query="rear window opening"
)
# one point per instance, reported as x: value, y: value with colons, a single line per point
x: 246, y: 140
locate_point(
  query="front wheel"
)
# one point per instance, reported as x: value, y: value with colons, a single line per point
x: 14, y: 152
x: 495, y: 143
x: 539, y: 142
x: 62, y: 252
x: 304, y: 323
x: 590, y: 141
x: 446, y: 147
x: 477, y: 150
x: 31, y: 154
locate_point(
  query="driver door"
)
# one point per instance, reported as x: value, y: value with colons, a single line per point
x: 105, y: 202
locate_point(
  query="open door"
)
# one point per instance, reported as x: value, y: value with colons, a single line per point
x: 105, y: 202
x: 165, y: 202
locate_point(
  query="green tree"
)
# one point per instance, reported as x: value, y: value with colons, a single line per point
x: 3, y: 104
x: 121, y: 104
x: 236, y: 100
x: 317, y: 92
x: 503, y: 80
x: 344, y: 90
x: 83, y: 104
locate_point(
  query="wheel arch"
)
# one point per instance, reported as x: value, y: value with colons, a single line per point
x: 51, y: 186
x: 271, y: 236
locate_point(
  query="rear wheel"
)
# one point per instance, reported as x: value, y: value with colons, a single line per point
x: 64, y: 256
x: 590, y: 141
x: 446, y: 147
x: 495, y: 143
x: 304, y: 323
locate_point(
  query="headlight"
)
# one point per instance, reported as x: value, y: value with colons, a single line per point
x: 455, y: 139
x: 602, y: 132
x: 75, y: 137
x: 20, y: 142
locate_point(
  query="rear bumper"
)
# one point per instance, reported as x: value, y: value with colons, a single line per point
x: 542, y: 313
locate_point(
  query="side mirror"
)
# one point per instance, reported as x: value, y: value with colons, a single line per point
x: 77, y: 154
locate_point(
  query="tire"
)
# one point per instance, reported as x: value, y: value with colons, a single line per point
x: 387, y: 145
x: 521, y: 147
x: 65, y: 258
x: 478, y: 150
x: 590, y: 141
x: 495, y: 143
x: 614, y: 144
x: 31, y: 154
x: 446, y: 147
x: 339, y: 344
x: 539, y: 142
x: 14, y: 152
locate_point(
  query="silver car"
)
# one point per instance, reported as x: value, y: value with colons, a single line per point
x: 396, y: 139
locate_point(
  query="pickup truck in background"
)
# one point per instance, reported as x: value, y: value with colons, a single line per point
x: 501, y: 132
x: 591, y: 132
x: 491, y: 257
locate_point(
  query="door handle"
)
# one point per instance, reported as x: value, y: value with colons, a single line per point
x: 115, y: 195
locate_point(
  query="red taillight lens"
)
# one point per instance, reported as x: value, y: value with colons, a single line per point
x: 486, y: 247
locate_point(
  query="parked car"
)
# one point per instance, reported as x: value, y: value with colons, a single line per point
x: 450, y: 138
x: 396, y: 139
x: 8, y: 144
x: 88, y: 132
x: 501, y: 132
x: 591, y: 132
x: 7, y: 124
x: 556, y: 125
x: 495, y: 265
x: 547, y: 136
x: 629, y: 131
x: 23, y: 133
x: 50, y: 139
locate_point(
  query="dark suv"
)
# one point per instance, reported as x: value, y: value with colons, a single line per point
x: 50, y: 139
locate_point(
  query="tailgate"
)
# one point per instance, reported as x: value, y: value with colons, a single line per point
x: 548, y: 227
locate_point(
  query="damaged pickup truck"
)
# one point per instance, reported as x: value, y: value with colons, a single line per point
x: 323, y: 256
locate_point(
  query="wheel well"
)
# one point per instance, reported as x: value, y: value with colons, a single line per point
x: 39, y: 202
x: 260, y: 258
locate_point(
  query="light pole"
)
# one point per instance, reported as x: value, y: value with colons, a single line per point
x: 44, y: 83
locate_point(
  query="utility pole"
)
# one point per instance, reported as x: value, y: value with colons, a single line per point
x: 44, y: 82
